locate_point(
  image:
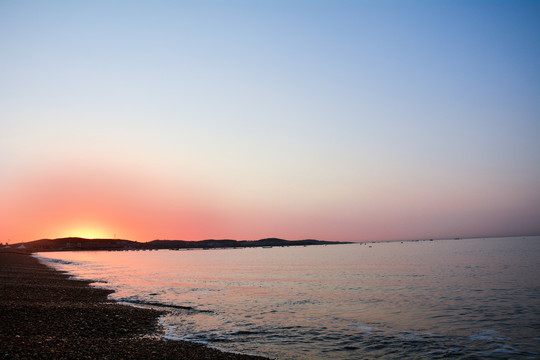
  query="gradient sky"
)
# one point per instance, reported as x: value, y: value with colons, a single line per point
x: 337, y: 120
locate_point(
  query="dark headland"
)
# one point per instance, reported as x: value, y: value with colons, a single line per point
x: 76, y: 243
x: 45, y: 315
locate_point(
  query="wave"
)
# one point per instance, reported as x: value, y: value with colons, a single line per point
x: 161, y: 305
x: 57, y: 261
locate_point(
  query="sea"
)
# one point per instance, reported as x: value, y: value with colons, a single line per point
x: 454, y: 298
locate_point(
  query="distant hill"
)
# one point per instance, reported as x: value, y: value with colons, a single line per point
x: 227, y: 243
x: 76, y: 243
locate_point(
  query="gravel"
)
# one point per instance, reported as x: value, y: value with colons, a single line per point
x: 45, y: 315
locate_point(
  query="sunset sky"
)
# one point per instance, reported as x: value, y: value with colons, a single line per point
x: 336, y: 120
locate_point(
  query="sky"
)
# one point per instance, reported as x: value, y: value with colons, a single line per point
x: 335, y: 120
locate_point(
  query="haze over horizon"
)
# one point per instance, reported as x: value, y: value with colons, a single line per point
x: 333, y: 120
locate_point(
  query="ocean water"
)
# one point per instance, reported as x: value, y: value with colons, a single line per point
x: 462, y: 299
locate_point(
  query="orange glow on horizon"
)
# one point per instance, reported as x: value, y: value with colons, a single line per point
x: 88, y: 231
x: 102, y: 203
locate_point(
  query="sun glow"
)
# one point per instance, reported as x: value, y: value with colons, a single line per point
x: 88, y: 232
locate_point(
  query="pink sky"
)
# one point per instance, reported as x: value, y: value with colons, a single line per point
x: 338, y: 121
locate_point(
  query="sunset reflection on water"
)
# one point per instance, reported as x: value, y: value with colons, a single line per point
x: 344, y: 299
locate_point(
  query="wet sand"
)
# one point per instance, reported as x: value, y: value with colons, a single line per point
x: 45, y: 315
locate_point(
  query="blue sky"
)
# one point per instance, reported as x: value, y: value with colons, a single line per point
x: 330, y: 119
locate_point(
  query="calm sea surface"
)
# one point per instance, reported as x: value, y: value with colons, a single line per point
x: 469, y: 299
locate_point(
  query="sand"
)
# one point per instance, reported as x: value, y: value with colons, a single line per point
x: 45, y: 315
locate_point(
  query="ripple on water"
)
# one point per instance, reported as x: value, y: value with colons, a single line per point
x: 455, y: 299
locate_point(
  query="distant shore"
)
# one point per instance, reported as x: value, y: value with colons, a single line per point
x: 76, y: 244
x: 45, y: 315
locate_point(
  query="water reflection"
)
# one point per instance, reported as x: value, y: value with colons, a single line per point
x: 348, y: 301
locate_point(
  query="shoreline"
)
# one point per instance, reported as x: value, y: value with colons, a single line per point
x: 44, y: 314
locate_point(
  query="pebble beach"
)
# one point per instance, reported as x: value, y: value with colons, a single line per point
x: 46, y: 315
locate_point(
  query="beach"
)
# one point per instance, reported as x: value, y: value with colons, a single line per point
x: 46, y: 315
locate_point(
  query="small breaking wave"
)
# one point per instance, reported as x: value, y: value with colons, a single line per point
x: 161, y: 305
x: 57, y: 261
